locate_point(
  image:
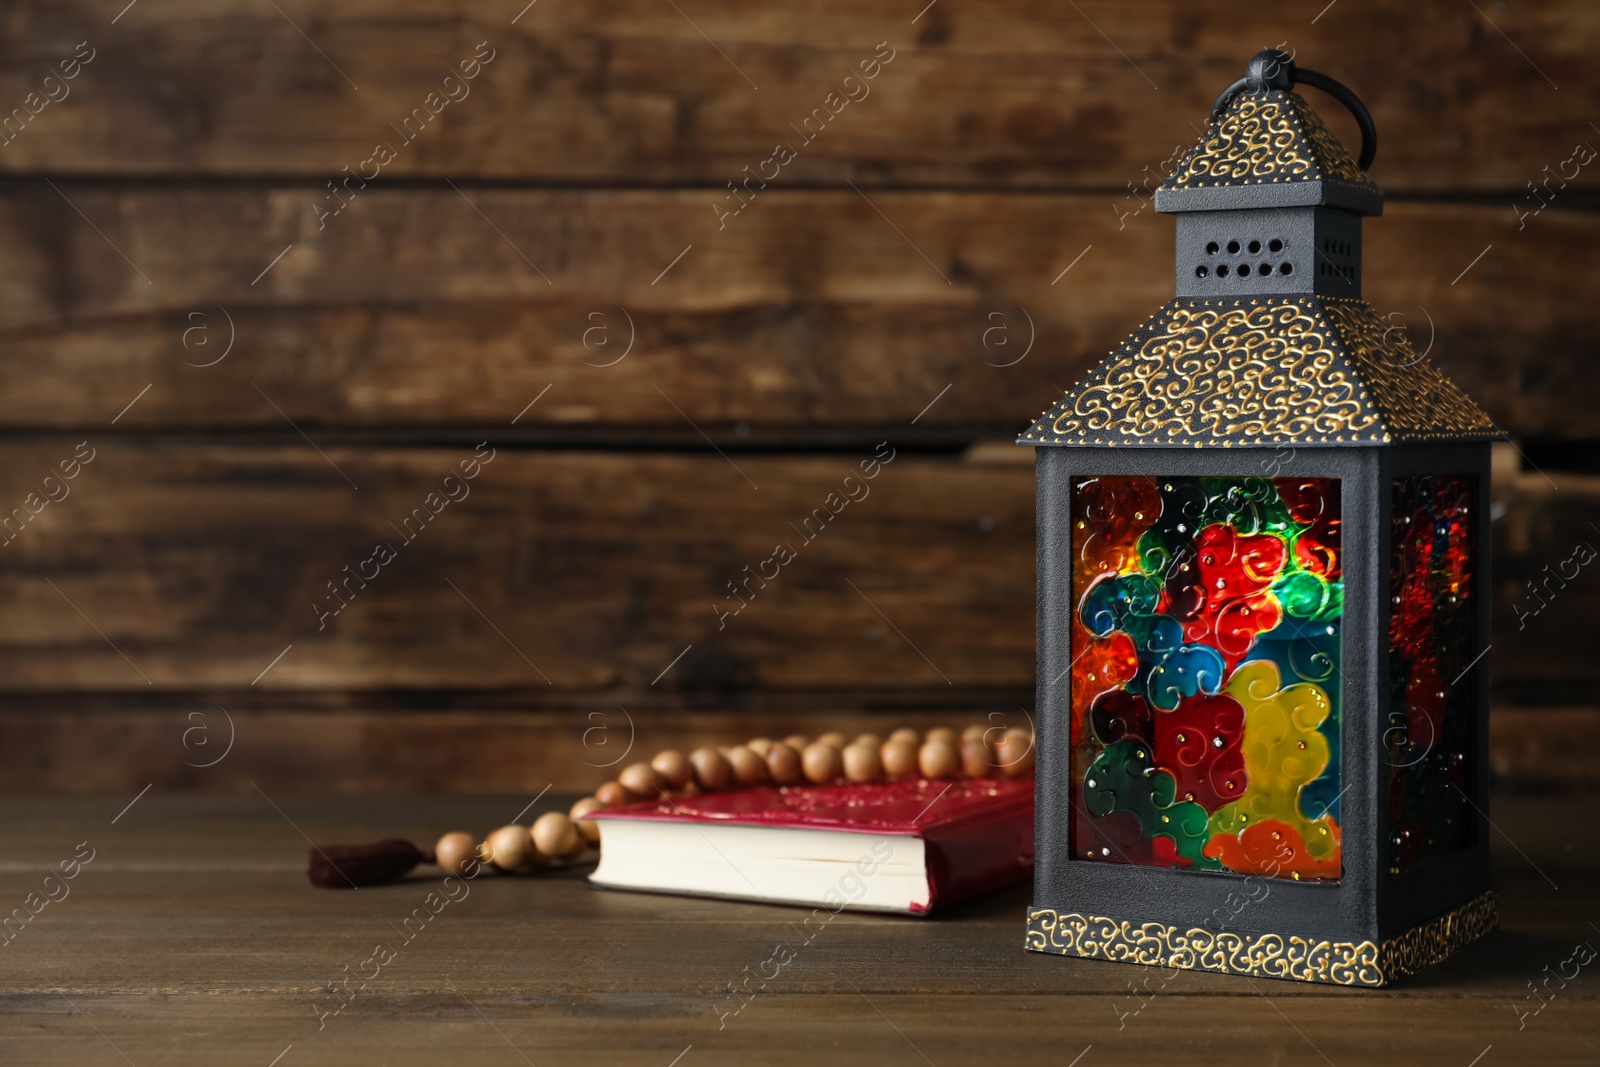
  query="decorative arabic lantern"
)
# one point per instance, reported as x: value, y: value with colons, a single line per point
x: 1264, y: 595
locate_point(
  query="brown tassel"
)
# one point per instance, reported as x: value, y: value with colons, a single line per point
x: 352, y: 866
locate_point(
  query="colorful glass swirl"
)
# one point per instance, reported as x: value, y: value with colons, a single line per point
x: 1432, y: 646
x: 1205, y: 676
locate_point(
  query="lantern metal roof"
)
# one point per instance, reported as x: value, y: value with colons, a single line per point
x: 1306, y: 370
x: 1268, y: 137
x: 1252, y: 350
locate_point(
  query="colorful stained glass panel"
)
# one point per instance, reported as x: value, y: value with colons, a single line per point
x: 1205, y: 673
x: 1432, y: 643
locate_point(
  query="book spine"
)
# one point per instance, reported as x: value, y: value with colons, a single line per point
x: 975, y: 860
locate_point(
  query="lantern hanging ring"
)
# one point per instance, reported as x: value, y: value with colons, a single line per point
x: 1272, y: 69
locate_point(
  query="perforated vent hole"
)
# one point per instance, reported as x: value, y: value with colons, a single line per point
x: 1258, y: 246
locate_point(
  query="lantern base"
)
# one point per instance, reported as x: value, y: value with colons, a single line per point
x: 1364, y: 963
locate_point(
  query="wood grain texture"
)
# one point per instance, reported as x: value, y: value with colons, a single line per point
x: 466, y: 744
x: 559, y: 572
x: 421, y: 309
x: 176, y: 292
x: 1009, y: 93
x: 1545, y: 595
x: 192, y: 937
x: 565, y: 573
x: 1545, y: 748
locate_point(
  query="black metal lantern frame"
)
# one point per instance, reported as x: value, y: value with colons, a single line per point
x: 1277, y: 367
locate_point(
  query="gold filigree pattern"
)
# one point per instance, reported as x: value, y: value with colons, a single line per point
x: 1164, y: 945
x: 1423, y: 946
x: 1205, y: 371
x: 1414, y: 399
x: 1263, y: 371
x: 1268, y: 136
x: 1330, y: 152
x: 1261, y: 955
x: 1253, y: 140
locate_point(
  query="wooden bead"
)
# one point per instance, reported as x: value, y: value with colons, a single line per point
x: 613, y: 795
x: 760, y: 745
x: 783, y: 763
x: 821, y: 762
x: 748, y: 768
x: 711, y: 770
x: 977, y: 758
x: 834, y: 738
x: 673, y: 768
x: 509, y: 847
x: 861, y: 762
x: 975, y: 732
x: 554, y: 835
x: 587, y: 828
x: 938, y: 759
x: 869, y: 739
x: 899, y: 758
x: 455, y: 852
x: 1014, y: 753
x: 537, y: 858
x: 942, y: 733
x: 906, y: 733
x: 798, y: 742
x: 641, y: 779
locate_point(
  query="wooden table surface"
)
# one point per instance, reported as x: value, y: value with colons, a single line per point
x: 191, y: 937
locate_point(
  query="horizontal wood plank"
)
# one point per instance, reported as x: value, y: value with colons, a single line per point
x: 1545, y: 748
x: 230, y: 742
x: 1008, y: 92
x: 842, y: 1026
x: 1546, y: 595
x: 165, y: 568
x: 555, y: 573
x: 417, y: 309
x: 191, y: 937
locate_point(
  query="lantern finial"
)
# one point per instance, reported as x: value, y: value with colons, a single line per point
x: 1270, y: 69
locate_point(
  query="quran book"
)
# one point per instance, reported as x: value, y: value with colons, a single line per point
x: 911, y: 846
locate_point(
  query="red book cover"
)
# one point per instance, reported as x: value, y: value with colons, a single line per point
x: 976, y: 834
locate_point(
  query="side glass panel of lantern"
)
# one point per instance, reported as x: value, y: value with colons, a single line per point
x: 1205, y: 676
x: 1432, y: 642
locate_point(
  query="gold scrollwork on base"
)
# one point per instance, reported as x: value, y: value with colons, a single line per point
x: 1423, y: 946
x: 1262, y: 955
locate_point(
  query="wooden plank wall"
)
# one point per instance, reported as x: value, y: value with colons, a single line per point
x: 259, y: 363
